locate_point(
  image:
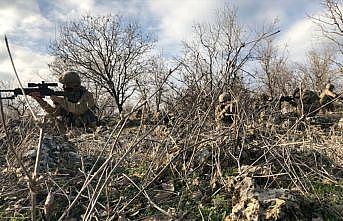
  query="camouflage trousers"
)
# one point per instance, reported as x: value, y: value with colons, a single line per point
x: 227, y: 132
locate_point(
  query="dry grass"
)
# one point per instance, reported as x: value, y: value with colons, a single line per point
x: 180, y: 171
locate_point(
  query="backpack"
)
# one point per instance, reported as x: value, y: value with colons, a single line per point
x: 310, y: 102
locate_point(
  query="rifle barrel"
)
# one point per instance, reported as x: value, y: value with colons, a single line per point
x: 44, y: 91
x: 59, y: 93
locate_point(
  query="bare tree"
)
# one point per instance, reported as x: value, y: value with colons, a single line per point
x: 219, y: 52
x: 331, y: 22
x: 319, y: 69
x: 160, y: 80
x: 274, y: 72
x: 109, y: 50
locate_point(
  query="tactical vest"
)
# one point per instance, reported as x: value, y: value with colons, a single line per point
x: 78, y: 108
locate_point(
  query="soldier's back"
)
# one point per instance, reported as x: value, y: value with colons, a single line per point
x: 309, y: 103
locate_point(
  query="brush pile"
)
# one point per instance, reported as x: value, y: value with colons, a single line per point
x: 183, y: 170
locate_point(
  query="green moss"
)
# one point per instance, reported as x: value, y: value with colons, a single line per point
x: 231, y: 171
x: 331, y: 191
x: 213, y: 213
x: 324, y: 201
x: 14, y: 217
x: 136, y: 171
x: 218, y: 209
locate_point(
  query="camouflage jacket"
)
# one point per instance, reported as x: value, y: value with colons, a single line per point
x: 225, y: 114
x: 309, y: 103
x: 76, y: 109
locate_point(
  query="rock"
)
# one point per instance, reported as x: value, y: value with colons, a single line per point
x: 202, y: 155
x: 73, y: 156
x: 168, y: 186
x: 157, y: 218
x: 163, y: 196
x: 197, y: 195
x: 31, y: 154
x: 317, y: 219
x: 56, y: 153
x: 251, y: 202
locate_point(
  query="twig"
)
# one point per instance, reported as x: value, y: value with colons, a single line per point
x: 148, y: 198
x: 18, y: 79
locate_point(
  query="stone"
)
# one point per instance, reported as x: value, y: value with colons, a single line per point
x: 251, y: 202
x: 56, y: 153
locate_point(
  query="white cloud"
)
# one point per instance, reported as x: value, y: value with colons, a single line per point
x: 30, y: 65
x: 9, y: 19
x: 27, y: 30
x: 84, y: 5
x: 301, y: 37
x: 178, y: 17
x: 23, y: 18
x: 62, y: 10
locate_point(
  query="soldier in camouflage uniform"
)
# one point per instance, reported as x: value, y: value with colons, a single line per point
x: 308, y: 102
x: 225, y: 111
x: 326, y: 98
x: 76, y: 109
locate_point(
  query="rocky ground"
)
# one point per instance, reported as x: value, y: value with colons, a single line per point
x: 182, y: 171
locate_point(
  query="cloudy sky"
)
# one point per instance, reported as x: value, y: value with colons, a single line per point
x: 31, y: 24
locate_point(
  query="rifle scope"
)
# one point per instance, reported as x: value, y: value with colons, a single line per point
x: 43, y: 84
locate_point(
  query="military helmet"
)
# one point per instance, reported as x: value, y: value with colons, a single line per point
x: 70, y: 79
x: 329, y: 86
x: 224, y: 97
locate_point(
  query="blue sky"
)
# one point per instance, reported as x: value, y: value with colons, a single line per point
x: 31, y: 24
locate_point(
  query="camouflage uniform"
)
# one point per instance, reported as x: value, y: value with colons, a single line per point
x: 225, y: 111
x: 262, y: 108
x: 308, y: 102
x: 76, y: 108
x: 326, y: 98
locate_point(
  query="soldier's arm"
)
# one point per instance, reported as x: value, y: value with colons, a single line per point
x: 226, y: 110
x: 331, y: 94
x: 219, y: 114
x: 296, y: 93
x: 90, y: 99
x: 45, y: 105
x: 57, y: 100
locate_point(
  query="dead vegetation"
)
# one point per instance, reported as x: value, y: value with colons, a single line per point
x: 186, y: 170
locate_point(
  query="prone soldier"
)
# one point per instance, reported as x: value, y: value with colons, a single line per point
x: 306, y: 101
x: 76, y: 108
